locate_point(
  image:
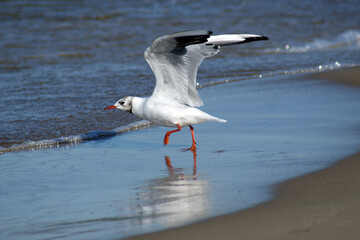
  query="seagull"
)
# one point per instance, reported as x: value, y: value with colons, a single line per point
x: 175, y: 59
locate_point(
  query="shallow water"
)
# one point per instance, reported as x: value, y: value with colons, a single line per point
x: 129, y: 184
x: 61, y: 62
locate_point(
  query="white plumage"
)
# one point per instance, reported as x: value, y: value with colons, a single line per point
x: 175, y: 59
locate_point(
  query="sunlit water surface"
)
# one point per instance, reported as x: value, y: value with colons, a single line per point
x: 128, y: 184
x: 61, y: 62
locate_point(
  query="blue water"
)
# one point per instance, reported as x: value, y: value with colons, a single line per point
x: 128, y: 184
x: 62, y: 62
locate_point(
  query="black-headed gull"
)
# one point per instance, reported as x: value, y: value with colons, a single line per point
x: 175, y: 59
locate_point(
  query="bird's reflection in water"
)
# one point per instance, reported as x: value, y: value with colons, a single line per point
x: 178, y: 198
x: 170, y: 167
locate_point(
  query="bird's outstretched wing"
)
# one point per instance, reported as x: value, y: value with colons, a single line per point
x: 175, y: 59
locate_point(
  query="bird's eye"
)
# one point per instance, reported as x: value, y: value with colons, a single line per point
x: 122, y: 103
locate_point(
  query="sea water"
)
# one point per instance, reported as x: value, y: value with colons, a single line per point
x: 127, y: 184
x: 62, y: 62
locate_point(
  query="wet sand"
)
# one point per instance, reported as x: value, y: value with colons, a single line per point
x: 350, y: 76
x: 320, y: 205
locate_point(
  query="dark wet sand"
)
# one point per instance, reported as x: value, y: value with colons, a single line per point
x: 320, y: 205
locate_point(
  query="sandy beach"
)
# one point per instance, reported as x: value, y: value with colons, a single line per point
x: 320, y: 205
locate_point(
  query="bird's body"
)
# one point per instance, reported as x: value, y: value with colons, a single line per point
x: 169, y: 113
x: 174, y: 60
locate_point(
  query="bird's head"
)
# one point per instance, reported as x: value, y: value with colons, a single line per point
x: 124, y: 104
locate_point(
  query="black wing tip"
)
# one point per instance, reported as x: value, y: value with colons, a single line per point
x: 191, y: 33
x: 187, y: 38
x: 252, y: 39
x: 257, y: 38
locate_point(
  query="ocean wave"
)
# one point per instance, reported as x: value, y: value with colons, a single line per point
x: 75, y: 139
x: 318, y: 68
x: 349, y: 39
x: 97, y: 134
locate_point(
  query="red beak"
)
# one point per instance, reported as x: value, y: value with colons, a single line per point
x: 109, y: 107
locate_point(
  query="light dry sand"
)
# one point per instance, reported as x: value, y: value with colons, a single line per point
x: 320, y: 205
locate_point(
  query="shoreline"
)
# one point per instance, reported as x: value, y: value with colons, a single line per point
x: 33, y: 144
x: 320, y: 205
x: 278, y: 129
x: 347, y: 76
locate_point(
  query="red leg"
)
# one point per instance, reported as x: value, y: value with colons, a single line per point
x: 193, y: 147
x: 167, y: 135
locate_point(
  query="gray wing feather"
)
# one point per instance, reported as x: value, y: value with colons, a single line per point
x: 175, y: 59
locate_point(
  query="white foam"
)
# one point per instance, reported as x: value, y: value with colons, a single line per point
x: 74, y: 139
x: 349, y: 39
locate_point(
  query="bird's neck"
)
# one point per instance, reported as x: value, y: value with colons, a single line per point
x: 138, y: 106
